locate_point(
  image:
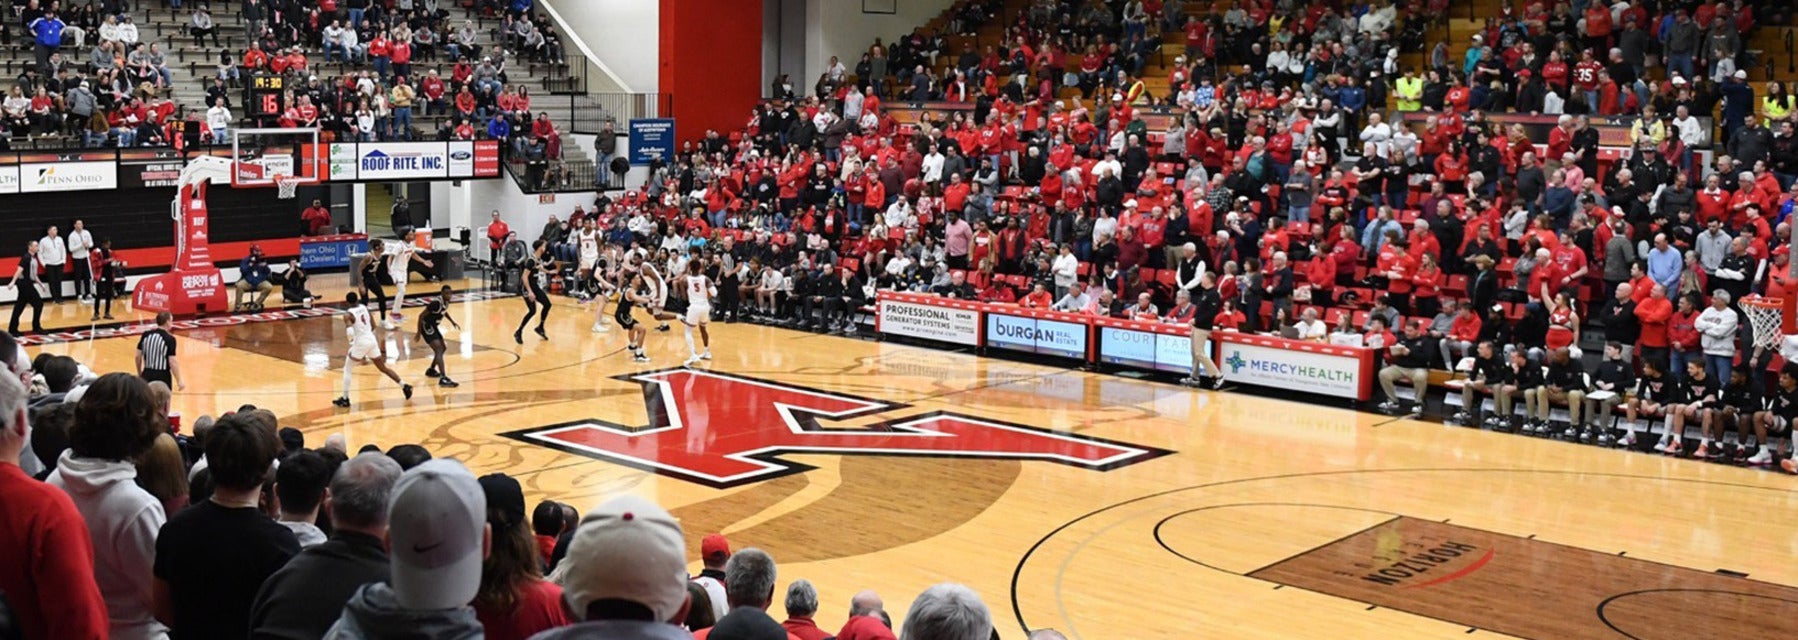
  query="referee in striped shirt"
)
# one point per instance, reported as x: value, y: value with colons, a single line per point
x: 156, y: 354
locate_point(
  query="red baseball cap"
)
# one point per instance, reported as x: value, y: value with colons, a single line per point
x: 714, y: 545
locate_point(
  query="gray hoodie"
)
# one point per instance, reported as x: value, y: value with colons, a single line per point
x: 373, y: 613
x: 81, y: 101
x: 122, y: 522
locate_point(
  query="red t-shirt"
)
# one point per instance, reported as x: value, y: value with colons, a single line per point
x: 538, y: 608
x: 48, y: 577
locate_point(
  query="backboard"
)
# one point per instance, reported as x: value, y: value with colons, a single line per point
x: 260, y: 156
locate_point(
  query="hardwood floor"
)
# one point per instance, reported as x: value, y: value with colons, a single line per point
x: 1102, y: 506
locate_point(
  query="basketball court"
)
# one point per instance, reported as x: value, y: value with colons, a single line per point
x: 1103, y: 506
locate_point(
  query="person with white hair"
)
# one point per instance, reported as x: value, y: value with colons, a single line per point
x: 438, y: 536
x: 1716, y: 327
x: 1310, y: 327
x: 947, y: 611
x: 802, y: 604
x: 304, y: 597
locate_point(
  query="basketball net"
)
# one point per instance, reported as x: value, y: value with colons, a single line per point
x: 1767, y: 317
x: 286, y: 186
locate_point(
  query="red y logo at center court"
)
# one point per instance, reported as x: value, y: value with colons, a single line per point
x: 722, y: 430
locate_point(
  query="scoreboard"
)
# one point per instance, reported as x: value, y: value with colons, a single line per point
x: 267, y: 96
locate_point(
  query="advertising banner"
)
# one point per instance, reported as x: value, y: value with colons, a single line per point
x: 35, y: 177
x: 330, y: 251
x: 342, y: 161
x: 401, y: 161
x: 1011, y: 332
x: 152, y: 172
x: 1127, y: 347
x: 486, y: 158
x: 1034, y: 335
x: 1307, y: 371
x: 461, y: 159
x: 651, y: 138
x: 912, y: 320
x: 1174, y: 353
x: 9, y: 178
x: 1146, y: 349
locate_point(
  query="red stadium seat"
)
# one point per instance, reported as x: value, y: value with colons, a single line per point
x: 1334, y: 315
x: 1457, y: 285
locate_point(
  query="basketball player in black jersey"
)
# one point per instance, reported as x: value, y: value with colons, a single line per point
x: 634, y: 294
x: 436, y: 311
x: 371, y: 277
x: 533, y: 291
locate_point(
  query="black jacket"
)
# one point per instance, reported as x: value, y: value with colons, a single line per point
x: 1619, y: 321
x: 1570, y: 376
x: 305, y: 597
x: 1206, y: 304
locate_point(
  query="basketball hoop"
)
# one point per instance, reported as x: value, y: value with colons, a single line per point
x: 1767, y: 317
x: 286, y: 186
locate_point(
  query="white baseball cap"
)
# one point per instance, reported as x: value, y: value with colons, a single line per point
x: 437, y: 522
x: 628, y: 549
x: 1741, y: 75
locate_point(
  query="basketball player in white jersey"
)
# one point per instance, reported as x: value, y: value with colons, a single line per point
x: 364, y: 347
x: 587, y: 261
x: 588, y: 241
x: 400, y: 256
x: 699, y: 310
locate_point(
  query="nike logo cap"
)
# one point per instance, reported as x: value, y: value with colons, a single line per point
x: 436, y: 520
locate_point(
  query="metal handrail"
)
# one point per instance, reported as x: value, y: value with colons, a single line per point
x: 588, y: 113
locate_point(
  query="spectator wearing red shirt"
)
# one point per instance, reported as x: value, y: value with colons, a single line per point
x: 497, y: 230
x: 432, y: 88
x: 1422, y: 241
x: 1451, y: 169
x: 1131, y: 252
x: 1598, y: 27
x: 466, y: 104
x: 1228, y: 319
x: 1683, y: 338
x: 1426, y: 283
x: 955, y: 194
x: 1462, y: 335
x: 401, y: 54
x: 1554, y: 73
x: 1393, y: 264
x: 317, y: 218
x: 48, y: 569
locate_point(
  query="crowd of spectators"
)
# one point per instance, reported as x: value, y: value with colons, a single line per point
x: 118, y: 525
x: 100, y: 81
x: 1275, y: 195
